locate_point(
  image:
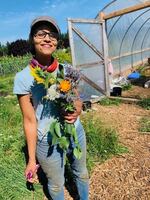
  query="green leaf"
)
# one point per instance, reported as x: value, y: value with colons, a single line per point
x: 54, y: 139
x: 46, y: 82
x: 74, y: 134
x: 63, y: 143
x: 57, y: 129
x: 61, y: 72
x: 69, y: 107
x: 77, y: 152
x: 59, y: 80
x: 68, y: 128
x: 41, y: 73
x: 52, y: 128
x: 53, y: 133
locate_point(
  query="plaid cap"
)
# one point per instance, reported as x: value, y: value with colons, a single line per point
x: 46, y: 19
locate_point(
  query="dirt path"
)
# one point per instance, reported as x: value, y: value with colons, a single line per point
x: 125, y: 177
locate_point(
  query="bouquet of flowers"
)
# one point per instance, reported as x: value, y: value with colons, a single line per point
x: 61, y: 89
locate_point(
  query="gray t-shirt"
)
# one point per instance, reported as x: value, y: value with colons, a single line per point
x: 45, y: 111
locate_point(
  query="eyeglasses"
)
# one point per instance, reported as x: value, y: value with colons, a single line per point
x: 42, y: 34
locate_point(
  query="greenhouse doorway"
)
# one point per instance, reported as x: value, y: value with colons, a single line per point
x: 88, y: 44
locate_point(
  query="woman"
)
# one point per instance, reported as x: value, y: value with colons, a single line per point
x: 38, y: 114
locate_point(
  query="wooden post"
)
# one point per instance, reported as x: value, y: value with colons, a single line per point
x: 126, y: 10
x: 101, y: 16
x: 105, y: 49
x: 71, y: 42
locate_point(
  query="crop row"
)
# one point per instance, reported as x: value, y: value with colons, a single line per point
x: 11, y: 64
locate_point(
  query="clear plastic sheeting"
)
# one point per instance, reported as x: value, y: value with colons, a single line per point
x: 83, y: 53
x: 128, y: 34
x: 118, y: 35
x: 89, y: 57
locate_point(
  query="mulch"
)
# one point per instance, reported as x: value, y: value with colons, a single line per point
x: 126, y: 176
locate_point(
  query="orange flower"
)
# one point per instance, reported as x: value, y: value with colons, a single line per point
x: 65, y: 86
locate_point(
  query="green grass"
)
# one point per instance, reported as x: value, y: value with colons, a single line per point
x: 6, y: 84
x: 145, y: 125
x: 145, y: 103
x: 12, y: 159
x: 102, y: 140
x: 108, y: 102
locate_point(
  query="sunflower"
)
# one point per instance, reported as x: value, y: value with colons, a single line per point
x: 65, y: 86
x: 35, y: 74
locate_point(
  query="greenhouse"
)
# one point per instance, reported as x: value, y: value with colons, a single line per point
x: 119, y: 34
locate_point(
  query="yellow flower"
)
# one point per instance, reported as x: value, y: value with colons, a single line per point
x: 65, y: 85
x: 51, y: 81
x: 35, y: 74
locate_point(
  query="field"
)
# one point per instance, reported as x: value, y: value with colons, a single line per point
x: 118, y: 139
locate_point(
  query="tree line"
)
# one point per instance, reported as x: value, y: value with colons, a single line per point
x: 21, y: 47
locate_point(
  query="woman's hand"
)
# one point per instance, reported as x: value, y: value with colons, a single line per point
x: 72, y: 117
x: 30, y: 172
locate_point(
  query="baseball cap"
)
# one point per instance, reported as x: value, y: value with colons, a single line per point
x: 46, y: 19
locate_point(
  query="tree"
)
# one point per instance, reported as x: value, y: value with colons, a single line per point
x: 63, y: 41
x: 3, y: 50
x: 19, y: 48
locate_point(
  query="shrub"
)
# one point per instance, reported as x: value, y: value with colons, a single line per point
x: 19, y: 48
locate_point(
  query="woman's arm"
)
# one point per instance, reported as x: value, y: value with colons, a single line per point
x: 30, y: 130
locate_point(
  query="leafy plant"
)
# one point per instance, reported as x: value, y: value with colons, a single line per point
x: 108, y: 102
x: 63, y: 55
x: 145, y: 125
x: 11, y: 64
x: 126, y: 86
x: 60, y: 90
x: 145, y: 103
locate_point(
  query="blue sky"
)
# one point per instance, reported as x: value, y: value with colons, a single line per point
x: 16, y: 15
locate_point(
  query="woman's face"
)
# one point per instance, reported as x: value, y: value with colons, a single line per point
x: 44, y: 41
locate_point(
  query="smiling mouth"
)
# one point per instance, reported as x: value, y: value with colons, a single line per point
x: 48, y: 45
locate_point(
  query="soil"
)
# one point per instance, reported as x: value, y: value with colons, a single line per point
x: 138, y: 91
x: 127, y: 176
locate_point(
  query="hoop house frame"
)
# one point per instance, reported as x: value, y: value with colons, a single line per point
x: 128, y: 52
